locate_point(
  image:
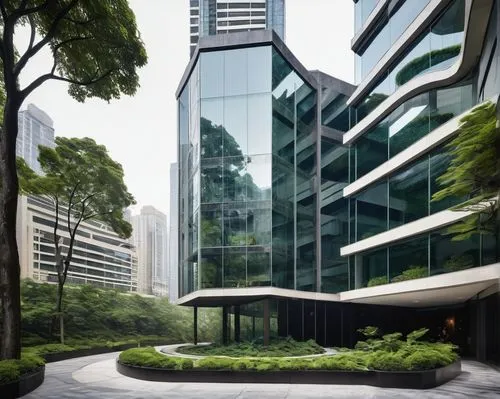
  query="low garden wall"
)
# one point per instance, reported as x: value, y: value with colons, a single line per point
x: 26, y: 384
x: 401, y: 379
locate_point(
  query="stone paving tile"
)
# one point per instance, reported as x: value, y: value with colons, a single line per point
x: 95, y: 377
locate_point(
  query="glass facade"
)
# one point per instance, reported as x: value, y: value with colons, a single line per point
x: 246, y: 122
x: 418, y: 257
x: 402, y: 197
x: 408, y: 123
x: 388, y: 30
x: 362, y: 10
x: 438, y: 48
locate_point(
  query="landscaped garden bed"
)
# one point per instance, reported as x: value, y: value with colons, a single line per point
x: 19, y: 377
x: 277, y: 348
x: 387, y: 361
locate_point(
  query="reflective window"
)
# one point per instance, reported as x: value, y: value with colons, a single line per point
x: 409, y: 194
x: 437, y: 48
x: 234, y: 178
x: 362, y: 10
x: 235, y: 72
x: 236, y: 125
x: 259, y: 178
x: 211, y: 127
x: 259, y: 70
x: 259, y: 124
x: 235, y: 267
x: 371, y: 269
x: 371, y: 211
x: 211, y: 180
x: 211, y: 225
x: 258, y: 268
x: 212, y: 74
x: 409, y: 260
x: 410, y: 122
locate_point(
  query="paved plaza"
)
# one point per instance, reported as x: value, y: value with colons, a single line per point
x: 96, y: 377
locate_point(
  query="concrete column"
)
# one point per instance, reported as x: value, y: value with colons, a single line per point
x: 253, y: 327
x: 195, y: 325
x: 224, y: 325
x: 267, y: 322
x: 237, y: 323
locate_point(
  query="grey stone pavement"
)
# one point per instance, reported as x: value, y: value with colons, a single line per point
x: 96, y: 377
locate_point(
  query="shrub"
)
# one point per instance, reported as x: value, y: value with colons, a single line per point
x: 377, y: 281
x: 215, y: 363
x: 428, y: 359
x: 149, y: 357
x: 412, y: 273
x: 12, y: 370
x: 346, y: 362
x: 386, y: 361
x: 277, y: 348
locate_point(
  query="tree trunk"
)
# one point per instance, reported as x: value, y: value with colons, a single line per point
x: 59, y: 312
x: 9, y: 257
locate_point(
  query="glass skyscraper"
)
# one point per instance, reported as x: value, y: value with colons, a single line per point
x: 215, y: 17
x: 305, y: 202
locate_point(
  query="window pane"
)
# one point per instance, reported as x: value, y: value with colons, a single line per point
x: 235, y: 72
x: 371, y: 211
x: 259, y: 69
x: 409, y: 194
x: 259, y: 177
x: 371, y: 149
x: 211, y: 268
x: 235, y: 224
x: 439, y: 162
x: 259, y: 223
x: 235, y: 267
x: 409, y: 260
x: 259, y: 268
x: 211, y: 128
x: 234, y: 176
x: 259, y: 124
x: 211, y: 180
x: 212, y: 74
x: 235, y: 123
x: 211, y: 226
x: 371, y: 269
x: 452, y: 256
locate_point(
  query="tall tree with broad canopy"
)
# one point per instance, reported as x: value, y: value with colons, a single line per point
x: 83, y: 183
x: 474, y: 174
x: 96, y: 49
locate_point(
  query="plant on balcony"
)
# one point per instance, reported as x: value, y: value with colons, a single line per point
x: 381, y: 280
x: 412, y: 273
x: 474, y: 174
x: 420, y: 64
x: 459, y: 262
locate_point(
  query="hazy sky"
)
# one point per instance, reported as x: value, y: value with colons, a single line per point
x: 140, y: 132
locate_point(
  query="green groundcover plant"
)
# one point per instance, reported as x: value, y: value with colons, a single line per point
x: 12, y: 370
x: 389, y: 352
x: 277, y: 348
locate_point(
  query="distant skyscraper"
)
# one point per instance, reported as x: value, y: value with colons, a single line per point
x: 150, y: 239
x: 173, y: 236
x: 35, y: 128
x: 215, y: 17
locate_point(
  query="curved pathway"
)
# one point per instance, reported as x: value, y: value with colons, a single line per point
x: 96, y: 377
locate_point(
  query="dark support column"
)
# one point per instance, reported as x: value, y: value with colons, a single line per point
x: 266, y: 322
x: 237, y: 323
x: 224, y: 325
x: 253, y: 327
x: 195, y: 325
x: 481, y: 331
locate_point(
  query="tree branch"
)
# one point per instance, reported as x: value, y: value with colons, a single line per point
x: 33, y: 31
x: 48, y: 37
x: 42, y: 79
x: 93, y: 215
x: 71, y: 196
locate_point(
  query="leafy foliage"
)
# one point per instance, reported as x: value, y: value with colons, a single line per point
x: 474, y: 173
x: 277, y: 348
x: 149, y: 357
x: 377, y: 281
x: 96, y: 316
x: 12, y: 370
x: 411, y: 273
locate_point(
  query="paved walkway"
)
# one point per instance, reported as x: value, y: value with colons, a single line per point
x: 171, y: 350
x: 96, y: 377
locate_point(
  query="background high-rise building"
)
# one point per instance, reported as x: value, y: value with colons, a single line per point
x: 35, y: 128
x: 173, y: 236
x: 150, y: 239
x: 215, y: 17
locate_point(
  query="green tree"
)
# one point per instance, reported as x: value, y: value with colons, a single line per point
x: 83, y: 183
x: 474, y: 174
x: 97, y: 49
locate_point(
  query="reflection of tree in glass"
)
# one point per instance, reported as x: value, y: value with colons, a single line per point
x: 415, y: 130
x: 420, y: 64
x: 371, y: 102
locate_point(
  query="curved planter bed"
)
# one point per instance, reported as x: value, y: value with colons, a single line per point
x: 27, y: 383
x: 400, y: 379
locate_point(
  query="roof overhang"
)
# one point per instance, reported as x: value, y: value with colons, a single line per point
x: 441, y: 290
